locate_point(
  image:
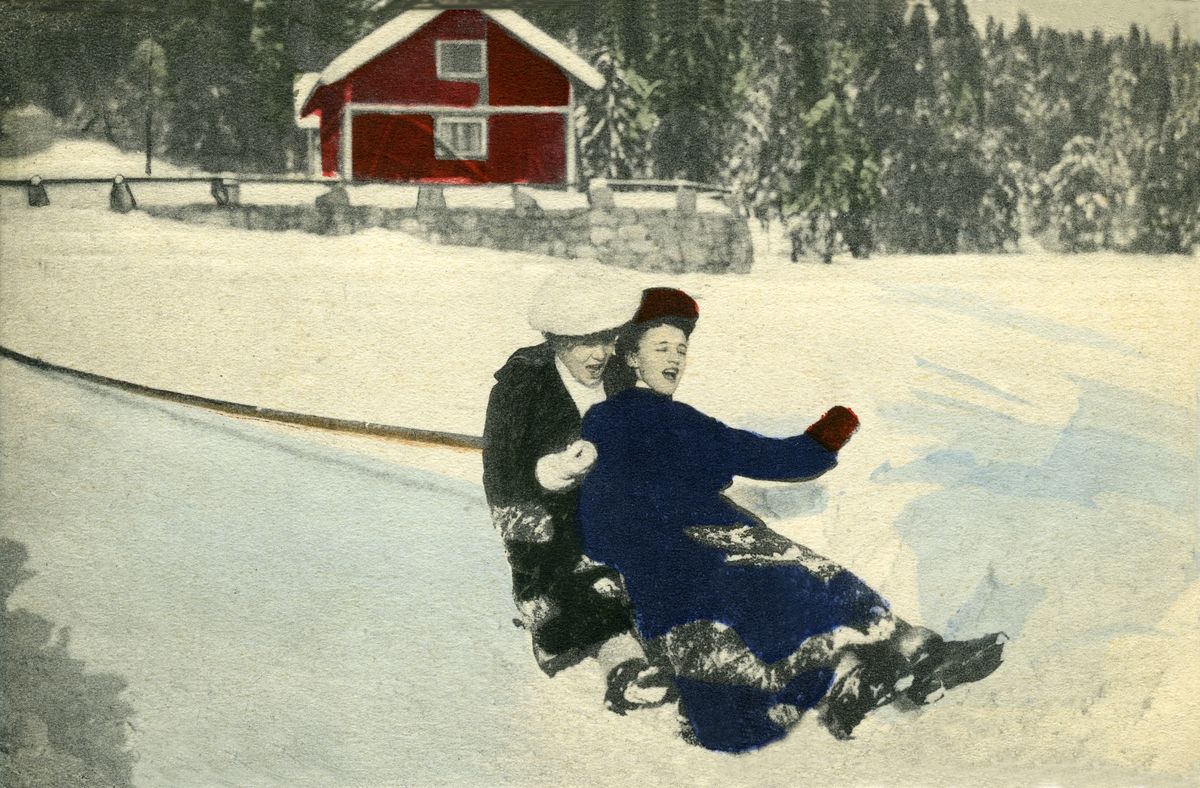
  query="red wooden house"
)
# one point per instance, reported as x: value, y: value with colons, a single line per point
x: 457, y: 96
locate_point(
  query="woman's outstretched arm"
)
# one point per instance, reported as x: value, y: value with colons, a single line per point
x: 781, y: 459
x: 792, y: 459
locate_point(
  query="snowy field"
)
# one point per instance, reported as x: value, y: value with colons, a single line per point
x: 298, y: 608
x: 86, y: 158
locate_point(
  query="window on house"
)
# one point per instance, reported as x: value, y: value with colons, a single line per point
x: 461, y: 60
x: 460, y: 138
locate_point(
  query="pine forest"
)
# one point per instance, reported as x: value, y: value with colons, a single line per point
x: 874, y: 126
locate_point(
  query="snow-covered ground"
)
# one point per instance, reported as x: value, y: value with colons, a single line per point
x: 1027, y: 462
x: 85, y: 158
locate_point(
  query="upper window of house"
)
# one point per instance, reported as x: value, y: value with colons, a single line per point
x: 461, y: 59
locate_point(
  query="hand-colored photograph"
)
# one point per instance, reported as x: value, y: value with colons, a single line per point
x: 594, y: 392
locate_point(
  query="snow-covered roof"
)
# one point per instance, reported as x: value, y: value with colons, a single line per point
x: 379, y: 41
x: 301, y: 92
x: 555, y: 50
x: 404, y: 25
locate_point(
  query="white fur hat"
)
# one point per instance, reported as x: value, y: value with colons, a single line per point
x: 577, y: 303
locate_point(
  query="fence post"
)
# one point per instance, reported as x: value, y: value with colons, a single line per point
x: 36, y: 190
x: 524, y: 205
x: 430, y: 197
x: 600, y: 197
x: 334, y: 209
x: 120, y: 199
x: 226, y: 191
x: 685, y: 200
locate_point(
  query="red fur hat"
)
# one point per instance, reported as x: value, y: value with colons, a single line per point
x: 658, y: 302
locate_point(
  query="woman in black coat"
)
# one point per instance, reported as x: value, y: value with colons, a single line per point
x: 530, y: 416
x: 533, y: 461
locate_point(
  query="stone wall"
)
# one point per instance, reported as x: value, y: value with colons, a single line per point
x: 646, y: 239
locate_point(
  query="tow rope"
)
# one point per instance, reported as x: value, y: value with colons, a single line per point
x: 406, y: 434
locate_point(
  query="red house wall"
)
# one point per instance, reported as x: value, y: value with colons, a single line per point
x: 520, y: 77
x: 521, y: 149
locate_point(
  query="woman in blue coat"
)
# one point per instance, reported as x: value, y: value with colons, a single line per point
x: 757, y: 628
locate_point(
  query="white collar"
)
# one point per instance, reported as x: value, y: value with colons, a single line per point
x: 583, y: 396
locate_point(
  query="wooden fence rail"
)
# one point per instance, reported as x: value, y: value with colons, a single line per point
x: 225, y: 187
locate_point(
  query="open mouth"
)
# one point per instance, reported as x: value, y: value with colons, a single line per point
x: 670, y: 374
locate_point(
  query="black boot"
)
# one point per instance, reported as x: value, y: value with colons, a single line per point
x: 941, y: 665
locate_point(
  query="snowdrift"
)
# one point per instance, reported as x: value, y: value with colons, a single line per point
x: 1027, y: 460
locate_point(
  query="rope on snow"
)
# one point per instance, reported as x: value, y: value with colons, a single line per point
x: 406, y: 434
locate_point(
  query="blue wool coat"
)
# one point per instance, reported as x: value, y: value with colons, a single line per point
x: 661, y: 468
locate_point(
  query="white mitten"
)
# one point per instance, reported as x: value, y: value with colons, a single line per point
x: 559, y: 471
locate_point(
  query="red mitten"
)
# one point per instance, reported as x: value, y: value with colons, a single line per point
x: 834, y: 428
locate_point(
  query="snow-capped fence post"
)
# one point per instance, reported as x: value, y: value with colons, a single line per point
x: 226, y: 191
x: 600, y: 197
x: 524, y: 205
x: 36, y: 190
x: 120, y: 199
x: 334, y: 209
x: 685, y: 200
x: 430, y: 198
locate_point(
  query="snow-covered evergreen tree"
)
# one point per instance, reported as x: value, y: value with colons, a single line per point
x: 1172, y: 181
x: 837, y: 184
x: 1082, y: 192
x: 141, y: 94
x: 693, y: 48
x: 766, y: 132
x: 617, y: 122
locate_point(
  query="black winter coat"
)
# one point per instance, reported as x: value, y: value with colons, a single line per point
x: 530, y: 414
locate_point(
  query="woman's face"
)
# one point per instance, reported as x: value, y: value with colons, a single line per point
x: 586, y: 359
x: 661, y: 358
